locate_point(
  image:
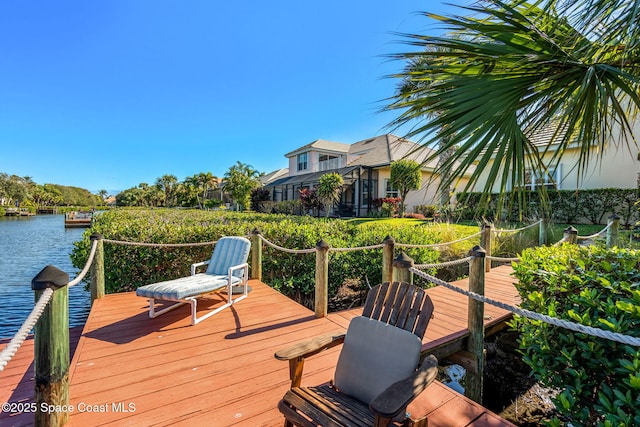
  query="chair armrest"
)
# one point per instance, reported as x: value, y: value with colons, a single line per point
x: 196, y: 265
x: 244, y: 267
x: 398, y: 395
x: 310, y: 347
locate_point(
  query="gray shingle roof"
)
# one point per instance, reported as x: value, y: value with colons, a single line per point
x: 323, y: 145
x: 384, y: 149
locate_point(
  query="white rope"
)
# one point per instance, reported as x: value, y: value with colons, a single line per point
x: 589, y: 330
x: 12, y: 348
x: 87, y: 265
x: 435, y: 245
x: 291, y: 251
x: 18, y: 339
x: 515, y: 230
x: 361, y: 248
x: 500, y: 259
x: 561, y: 241
x: 594, y: 236
x: 159, y: 245
x: 444, y: 264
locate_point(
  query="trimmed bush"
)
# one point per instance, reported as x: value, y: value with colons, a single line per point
x: 127, y: 267
x: 598, y: 379
x: 566, y: 206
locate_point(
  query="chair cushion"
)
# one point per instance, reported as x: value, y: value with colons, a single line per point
x: 374, y: 356
x: 178, y: 289
x: 228, y: 252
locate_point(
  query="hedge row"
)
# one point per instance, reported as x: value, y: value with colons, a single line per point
x: 565, y: 206
x: 598, y: 379
x: 127, y: 267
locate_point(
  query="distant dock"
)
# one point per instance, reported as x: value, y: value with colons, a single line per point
x: 78, y: 219
x: 18, y: 212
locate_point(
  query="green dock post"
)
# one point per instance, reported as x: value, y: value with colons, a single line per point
x: 51, y: 349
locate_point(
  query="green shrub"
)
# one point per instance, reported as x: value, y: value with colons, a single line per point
x: 127, y: 267
x: 566, y: 206
x: 598, y: 379
x: 429, y: 211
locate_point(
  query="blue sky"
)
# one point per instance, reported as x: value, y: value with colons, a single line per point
x: 110, y: 94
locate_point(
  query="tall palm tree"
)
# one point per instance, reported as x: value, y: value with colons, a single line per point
x: 410, y: 87
x: 207, y: 181
x: 240, y: 179
x: 511, y: 68
x: 167, y: 183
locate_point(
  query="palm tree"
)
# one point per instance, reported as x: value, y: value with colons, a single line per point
x: 512, y: 68
x: 411, y: 87
x: 240, y: 179
x: 167, y: 184
x: 207, y: 181
x: 406, y: 175
x: 329, y: 190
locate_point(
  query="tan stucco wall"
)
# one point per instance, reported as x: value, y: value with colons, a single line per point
x: 426, y: 195
x: 617, y: 168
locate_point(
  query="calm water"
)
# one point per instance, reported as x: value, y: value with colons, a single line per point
x: 27, y: 245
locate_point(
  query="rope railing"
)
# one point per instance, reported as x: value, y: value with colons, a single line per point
x: 576, y: 327
x: 596, y: 235
x: 516, y: 230
x: 159, y: 245
x: 87, y: 265
x: 503, y: 259
x: 19, y: 338
x: 445, y: 264
x: 435, y: 245
x: 561, y: 241
x: 282, y: 249
x: 23, y: 332
x: 359, y: 248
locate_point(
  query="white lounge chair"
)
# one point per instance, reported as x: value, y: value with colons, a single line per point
x: 227, y: 268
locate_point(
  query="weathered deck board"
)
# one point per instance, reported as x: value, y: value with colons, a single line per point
x: 222, y: 371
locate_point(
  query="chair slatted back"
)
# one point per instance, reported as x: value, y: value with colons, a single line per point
x: 400, y: 304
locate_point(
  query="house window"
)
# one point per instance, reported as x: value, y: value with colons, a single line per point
x: 328, y: 162
x: 389, y: 190
x: 549, y: 179
x: 303, y: 161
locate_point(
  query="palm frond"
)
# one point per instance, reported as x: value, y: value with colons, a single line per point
x: 501, y: 74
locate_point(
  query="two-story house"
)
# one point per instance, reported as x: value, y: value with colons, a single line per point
x: 365, y: 167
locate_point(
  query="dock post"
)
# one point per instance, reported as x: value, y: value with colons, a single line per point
x: 612, y: 231
x: 485, y: 242
x: 51, y: 349
x: 571, y: 234
x: 543, y: 238
x: 97, y: 268
x: 387, y: 259
x: 401, y: 266
x: 256, y: 255
x: 322, y: 278
x: 475, y: 344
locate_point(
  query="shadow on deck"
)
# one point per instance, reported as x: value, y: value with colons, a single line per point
x: 132, y: 370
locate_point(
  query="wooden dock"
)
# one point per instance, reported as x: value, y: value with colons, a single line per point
x: 132, y: 370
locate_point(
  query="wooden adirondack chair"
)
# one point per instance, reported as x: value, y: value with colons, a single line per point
x: 376, y: 376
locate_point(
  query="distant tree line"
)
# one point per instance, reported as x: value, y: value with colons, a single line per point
x: 23, y: 191
x: 202, y: 190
